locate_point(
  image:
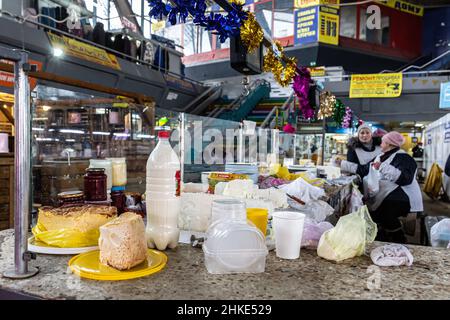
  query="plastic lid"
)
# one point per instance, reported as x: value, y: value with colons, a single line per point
x: 117, y: 188
x: 235, y: 244
x: 164, y: 134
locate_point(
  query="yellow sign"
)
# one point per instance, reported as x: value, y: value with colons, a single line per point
x: 329, y: 25
x: 387, y: 85
x: 317, y: 72
x: 84, y: 51
x: 403, y: 6
x: 309, y: 3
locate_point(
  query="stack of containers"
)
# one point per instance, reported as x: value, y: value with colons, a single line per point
x: 244, y: 168
x: 232, y: 244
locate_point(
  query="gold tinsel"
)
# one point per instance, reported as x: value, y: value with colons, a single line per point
x: 251, y: 33
x: 283, y: 75
x: 327, y: 103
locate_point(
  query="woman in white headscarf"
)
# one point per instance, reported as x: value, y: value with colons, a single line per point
x: 364, y: 147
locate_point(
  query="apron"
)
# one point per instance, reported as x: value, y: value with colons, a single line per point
x: 386, y: 187
x: 365, y: 157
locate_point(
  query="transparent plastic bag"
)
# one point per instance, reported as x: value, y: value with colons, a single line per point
x: 440, y: 234
x: 349, y: 237
x: 316, y: 210
x: 312, y: 231
x: 356, y: 199
x: 371, y: 182
x: 66, y: 238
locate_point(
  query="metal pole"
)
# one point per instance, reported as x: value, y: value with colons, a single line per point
x: 22, y: 113
x: 241, y: 146
x: 181, y: 141
x: 324, y: 123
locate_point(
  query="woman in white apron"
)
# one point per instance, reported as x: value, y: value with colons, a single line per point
x: 399, y: 193
x: 364, y: 147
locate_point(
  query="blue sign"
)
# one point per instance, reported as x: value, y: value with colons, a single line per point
x: 305, y: 25
x: 444, y: 101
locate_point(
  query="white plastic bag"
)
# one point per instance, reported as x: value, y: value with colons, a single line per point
x: 440, y: 234
x: 371, y: 182
x: 312, y: 231
x: 349, y: 237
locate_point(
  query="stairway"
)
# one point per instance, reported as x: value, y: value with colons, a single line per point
x: 240, y: 108
x: 263, y: 108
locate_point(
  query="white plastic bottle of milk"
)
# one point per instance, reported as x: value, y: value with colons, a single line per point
x: 162, y: 195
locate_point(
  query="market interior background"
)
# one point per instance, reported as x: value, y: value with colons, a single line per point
x: 183, y: 68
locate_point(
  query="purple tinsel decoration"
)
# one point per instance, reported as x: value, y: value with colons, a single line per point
x: 301, y: 88
x: 347, y: 121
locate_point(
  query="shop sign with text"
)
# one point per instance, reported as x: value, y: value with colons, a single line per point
x: 387, y: 85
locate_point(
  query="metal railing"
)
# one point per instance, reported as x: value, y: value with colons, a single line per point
x: 422, y: 66
x: 122, y: 55
x: 238, y: 101
x: 285, y: 107
x: 411, y: 74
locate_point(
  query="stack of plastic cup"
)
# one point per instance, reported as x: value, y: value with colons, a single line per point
x: 288, y: 230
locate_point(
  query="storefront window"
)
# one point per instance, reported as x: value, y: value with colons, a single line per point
x: 378, y: 36
x: 196, y: 39
x: 283, y: 19
x: 348, y: 22
x: 264, y: 15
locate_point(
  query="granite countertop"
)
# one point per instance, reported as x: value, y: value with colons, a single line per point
x: 185, y: 277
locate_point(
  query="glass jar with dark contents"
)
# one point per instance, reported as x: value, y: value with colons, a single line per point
x: 70, y: 198
x: 118, y: 198
x: 95, y: 184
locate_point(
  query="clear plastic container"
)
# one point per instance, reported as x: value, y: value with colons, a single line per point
x: 233, y: 245
x: 228, y: 209
x: 119, y: 172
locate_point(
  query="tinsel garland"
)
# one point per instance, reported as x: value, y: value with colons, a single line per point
x: 272, y: 63
x: 301, y: 87
x: 347, y: 122
x: 251, y: 33
x: 339, y: 112
x: 327, y: 102
x: 224, y: 26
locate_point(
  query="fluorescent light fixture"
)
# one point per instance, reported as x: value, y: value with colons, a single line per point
x: 70, y: 140
x: 58, y: 52
x: 46, y: 108
x: 37, y: 129
x: 51, y: 130
x: 71, y: 131
x: 145, y: 136
x: 46, y: 139
x: 100, y: 111
x: 121, y: 134
x: 419, y: 125
x: 100, y: 133
x: 40, y: 119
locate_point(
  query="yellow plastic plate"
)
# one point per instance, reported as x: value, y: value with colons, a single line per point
x: 87, y: 265
x: 41, y: 247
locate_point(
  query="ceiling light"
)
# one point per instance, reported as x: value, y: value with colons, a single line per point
x: 46, y: 108
x: 57, y: 52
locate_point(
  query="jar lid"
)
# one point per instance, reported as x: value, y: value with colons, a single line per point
x: 70, y: 194
x: 96, y: 170
x: 117, y: 188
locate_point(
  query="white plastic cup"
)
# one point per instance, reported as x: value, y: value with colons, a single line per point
x: 288, y: 230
